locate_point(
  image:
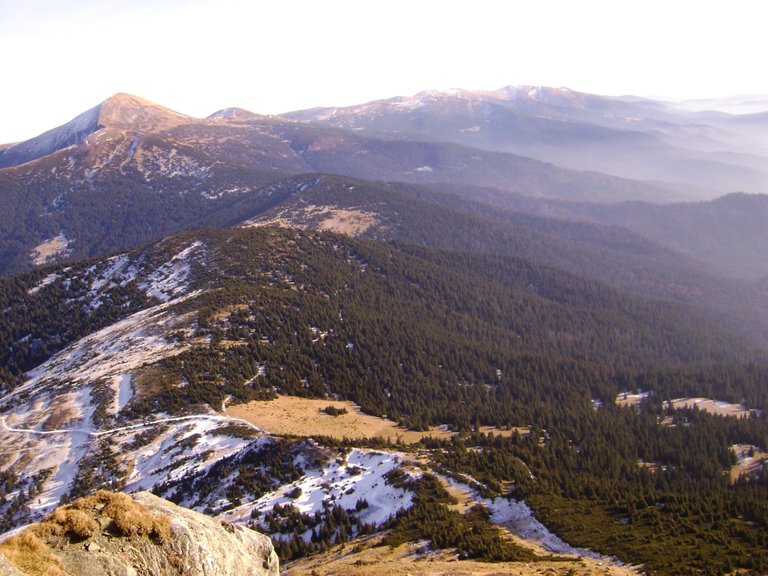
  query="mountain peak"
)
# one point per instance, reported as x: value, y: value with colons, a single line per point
x: 122, y: 111
x: 234, y: 114
x: 134, y: 113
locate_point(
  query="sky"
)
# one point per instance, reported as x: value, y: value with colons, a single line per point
x: 62, y: 57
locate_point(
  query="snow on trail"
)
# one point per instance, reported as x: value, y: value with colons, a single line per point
x: 97, y: 433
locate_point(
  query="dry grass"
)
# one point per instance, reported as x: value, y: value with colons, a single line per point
x: 224, y: 313
x: 48, y: 250
x: 25, y: 458
x: 61, y: 413
x: 465, y: 499
x: 72, y: 522
x: 362, y: 558
x: 505, y: 432
x: 122, y: 515
x: 330, y: 218
x: 652, y: 467
x: 349, y: 222
x: 150, y: 381
x: 303, y: 417
x: 128, y: 517
x: 31, y: 555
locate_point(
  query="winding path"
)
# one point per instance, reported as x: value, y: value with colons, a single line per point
x: 97, y: 433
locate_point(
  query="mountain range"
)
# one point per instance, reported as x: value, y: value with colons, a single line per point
x: 488, y: 275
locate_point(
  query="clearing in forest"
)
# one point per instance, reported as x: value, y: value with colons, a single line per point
x: 292, y: 415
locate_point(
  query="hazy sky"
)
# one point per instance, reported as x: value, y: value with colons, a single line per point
x: 60, y: 57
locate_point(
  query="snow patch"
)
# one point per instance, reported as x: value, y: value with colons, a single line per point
x: 345, y: 481
x: 125, y: 390
x: 189, y: 448
x: 115, y: 350
x: 50, y: 279
x: 73, y: 132
x: 171, y: 278
x: 518, y: 518
x: 119, y: 271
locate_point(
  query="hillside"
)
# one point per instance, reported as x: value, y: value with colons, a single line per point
x: 484, y: 359
x: 488, y: 221
x: 127, y: 396
x: 698, y: 155
x: 729, y: 232
x: 128, y: 172
x: 726, y: 234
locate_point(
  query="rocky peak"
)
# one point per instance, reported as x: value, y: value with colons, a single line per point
x: 130, y: 112
x: 108, y: 534
x: 121, y: 111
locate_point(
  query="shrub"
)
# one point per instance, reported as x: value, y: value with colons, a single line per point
x: 331, y: 410
x: 72, y: 522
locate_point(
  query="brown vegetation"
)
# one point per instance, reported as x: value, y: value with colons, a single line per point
x: 30, y: 554
x: 84, y: 518
x: 306, y: 417
x: 364, y: 558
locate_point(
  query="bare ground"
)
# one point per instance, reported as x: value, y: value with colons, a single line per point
x: 361, y: 558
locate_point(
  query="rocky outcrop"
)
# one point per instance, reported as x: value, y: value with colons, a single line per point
x: 110, y: 534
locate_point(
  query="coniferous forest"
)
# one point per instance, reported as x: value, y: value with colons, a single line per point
x: 430, y: 337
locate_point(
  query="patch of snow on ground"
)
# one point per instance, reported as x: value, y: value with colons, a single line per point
x: 50, y: 279
x: 518, y: 518
x: 166, y: 458
x: 170, y: 279
x: 57, y: 138
x: 125, y: 390
x: 360, y: 476
x: 60, y: 452
x: 116, y: 272
x: 116, y: 349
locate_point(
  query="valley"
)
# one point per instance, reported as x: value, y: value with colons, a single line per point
x: 413, y: 337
